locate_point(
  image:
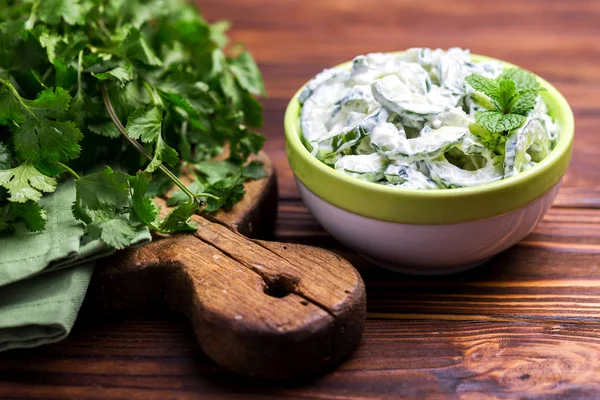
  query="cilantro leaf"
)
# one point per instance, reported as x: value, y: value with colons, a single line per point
x: 113, y: 229
x: 496, y: 122
x: 25, y: 183
x: 52, y: 11
x: 143, y: 206
x: 118, y: 73
x: 49, y: 103
x: 48, y: 140
x: 107, y: 129
x: 214, y: 171
x: 145, y: 124
x: 135, y: 47
x: 110, y: 55
x: 31, y: 214
x: 229, y: 191
x: 103, y: 202
x: 178, y: 220
x: 106, y: 188
x: 163, y: 153
x: 10, y: 107
x: 247, y: 74
x: 49, y: 42
x: 253, y: 111
x: 5, y: 157
x: 179, y: 197
x: 255, y: 170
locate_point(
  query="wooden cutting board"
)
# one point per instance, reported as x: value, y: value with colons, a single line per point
x: 258, y: 308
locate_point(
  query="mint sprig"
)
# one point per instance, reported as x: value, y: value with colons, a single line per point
x: 512, y: 96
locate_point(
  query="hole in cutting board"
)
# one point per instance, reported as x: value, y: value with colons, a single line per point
x: 281, y: 287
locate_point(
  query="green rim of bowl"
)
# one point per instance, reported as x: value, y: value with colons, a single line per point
x: 444, y: 206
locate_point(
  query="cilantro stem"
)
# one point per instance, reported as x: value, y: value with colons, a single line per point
x: 69, y: 170
x: 79, y: 70
x: 17, y: 96
x: 150, y: 91
x: 103, y: 28
x: 121, y: 128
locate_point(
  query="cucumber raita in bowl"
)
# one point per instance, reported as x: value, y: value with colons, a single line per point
x: 427, y: 119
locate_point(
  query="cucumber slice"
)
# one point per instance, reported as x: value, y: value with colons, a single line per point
x: 542, y: 143
x: 399, y: 173
x: 327, y: 76
x: 451, y: 117
x: 359, y: 99
x: 368, y: 167
x: 321, y: 113
x: 364, y: 147
x: 449, y: 175
x: 397, y: 97
x: 430, y: 144
x: 517, y: 144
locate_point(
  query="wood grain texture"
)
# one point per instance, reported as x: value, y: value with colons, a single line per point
x: 526, y: 325
x: 258, y: 308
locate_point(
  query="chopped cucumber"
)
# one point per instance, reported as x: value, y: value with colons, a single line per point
x: 408, y: 120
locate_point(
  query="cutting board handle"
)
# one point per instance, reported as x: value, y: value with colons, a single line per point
x: 258, y: 308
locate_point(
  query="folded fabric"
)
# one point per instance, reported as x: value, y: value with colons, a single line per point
x: 44, y: 276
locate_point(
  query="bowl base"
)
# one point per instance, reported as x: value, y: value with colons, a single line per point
x: 424, y: 271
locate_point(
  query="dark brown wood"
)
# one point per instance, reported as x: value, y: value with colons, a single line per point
x: 525, y: 325
x: 258, y: 308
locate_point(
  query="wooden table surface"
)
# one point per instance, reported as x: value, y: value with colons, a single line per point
x: 525, y: 325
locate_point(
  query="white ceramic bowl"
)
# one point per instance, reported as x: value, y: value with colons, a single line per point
x: 430, y: 231
x: 427, y: 249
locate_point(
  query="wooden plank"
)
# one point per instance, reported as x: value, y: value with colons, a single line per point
x: 159, y: 359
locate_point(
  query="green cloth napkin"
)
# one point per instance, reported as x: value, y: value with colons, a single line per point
x: 44, y: 276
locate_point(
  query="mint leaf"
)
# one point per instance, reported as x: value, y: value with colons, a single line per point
x: 506, y: 92
x: 25, y: 183
x: 497, y: 122
x: 522, y: 79
x: 145, y: 124
x: 524, y: 103
x: 487, y: 86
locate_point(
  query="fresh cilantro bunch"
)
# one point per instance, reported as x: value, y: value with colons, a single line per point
x: 120, y: 95
x: 509, y: 99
